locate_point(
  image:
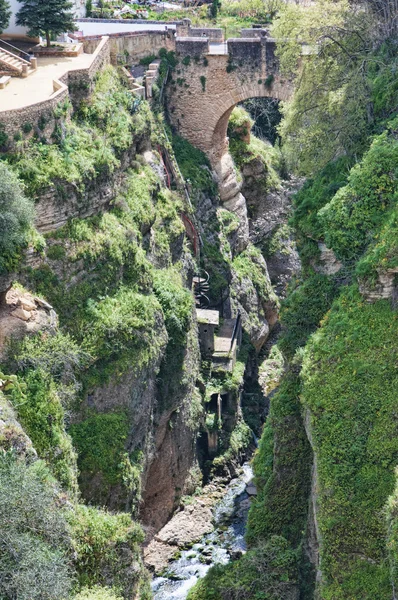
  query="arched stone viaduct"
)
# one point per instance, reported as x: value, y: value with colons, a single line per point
x: 212, y: 78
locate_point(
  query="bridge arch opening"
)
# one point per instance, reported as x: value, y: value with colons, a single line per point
x: 218, y: 145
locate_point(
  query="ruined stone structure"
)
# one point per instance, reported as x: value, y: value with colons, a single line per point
x: 211, y: 79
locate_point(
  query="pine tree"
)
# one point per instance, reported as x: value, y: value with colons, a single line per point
x: 5, y: 13
x: 46, y: 16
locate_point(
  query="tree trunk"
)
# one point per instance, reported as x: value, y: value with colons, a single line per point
x: 48, y: 39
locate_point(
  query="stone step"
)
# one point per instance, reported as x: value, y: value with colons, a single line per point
x: 14, y: 63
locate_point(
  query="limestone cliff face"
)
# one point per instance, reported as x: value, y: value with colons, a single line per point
x: 158, y: 397
x: 175, y: 429
x: 313, y: 535
x: 134, y: 392
x: 269, y: 209
x: 22, y: 313
x: 224, y: 224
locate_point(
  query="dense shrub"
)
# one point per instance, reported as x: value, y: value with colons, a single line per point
x: 244, y: 152
x: 107, y: 552
x: 16, y: 217
x: 303, y: 310
x: 194, y: 165
x: 382, y: 253
x: 282, y: 502
x: 352, y: 218
x: 41, y: 414
x: 100, y: 442
x: 58, y: 355
x: 176, y: 302
x: 34, y: 537
x: 97, y: 593
x: 349, y: 385
x: 249, y: 267
x: 88, y: 146
x: 313, y: 196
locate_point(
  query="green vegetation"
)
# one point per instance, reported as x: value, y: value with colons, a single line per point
x: 354, y: 215
x: 268, y: 573
x: 16, y: 218
x: 90, y: 145
x: 282, y: 502
x: 249, y: 266
x: 5, y: 14
x: 41, y: 414
x: 33, y: 558
x: 313, y: 196
x: 349, y: 385
x: 304, y: 309
x: 243, y: 152
x: 97, y: 593
x: 232, y: 446
x: 194, y: 165
x: 105, y: 546
x: 331, y: 113
x: 100, y: 442
x: 176, y: 302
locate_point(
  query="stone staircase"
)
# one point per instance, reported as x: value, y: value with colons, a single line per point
x: 16, y: 66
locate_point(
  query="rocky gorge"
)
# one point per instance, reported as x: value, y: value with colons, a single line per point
x: 197, y: 359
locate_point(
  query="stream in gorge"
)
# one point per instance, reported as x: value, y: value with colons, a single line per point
x: 227, y: 540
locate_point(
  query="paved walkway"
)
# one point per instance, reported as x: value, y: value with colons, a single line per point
x: 38, y: 86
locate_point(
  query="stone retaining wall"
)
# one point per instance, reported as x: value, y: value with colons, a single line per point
x: 39, y: 117
x: 132, y: 46
x: 81, y: 81
x: 253, y: 32
x: 191, y: 46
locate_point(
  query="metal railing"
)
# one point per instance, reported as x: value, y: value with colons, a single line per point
x: 236, y: 331
x: 16, y: 51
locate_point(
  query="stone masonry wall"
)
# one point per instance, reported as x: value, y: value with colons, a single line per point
x: 40, y: 116
x: 212, y: 33
x: 133, y: 46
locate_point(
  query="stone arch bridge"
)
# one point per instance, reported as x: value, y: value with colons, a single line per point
x: 213, y: 76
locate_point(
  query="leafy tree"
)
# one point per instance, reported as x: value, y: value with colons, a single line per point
x: 50, y: 17
x: 385, y: 13
x: 5, y: 14
x: 331, y: 111
x: 89, y: 8
x: 33, y: 563
x: 16, y: 215
x: 214, y: 8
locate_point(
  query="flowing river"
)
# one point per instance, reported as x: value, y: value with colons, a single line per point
x: 230, y: 514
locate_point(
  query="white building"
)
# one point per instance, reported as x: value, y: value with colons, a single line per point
x: 13, y: 30
x: 16, y: 31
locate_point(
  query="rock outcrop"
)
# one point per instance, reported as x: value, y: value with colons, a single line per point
x: 232, y: 198
x: 22, y: 313
x: 327, y: 263
x: 385, y: 288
